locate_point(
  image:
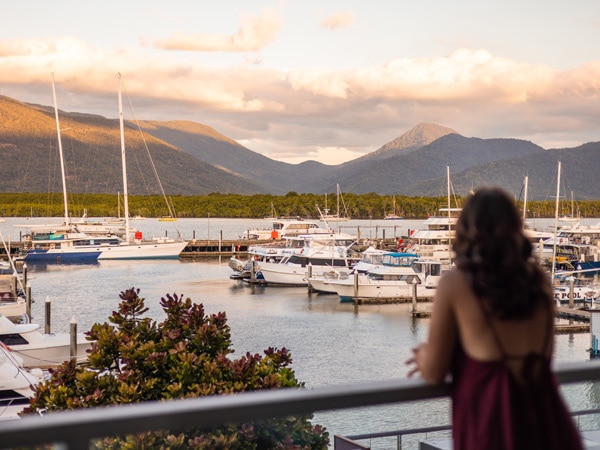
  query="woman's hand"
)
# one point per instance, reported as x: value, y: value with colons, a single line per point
x: 417, y: 359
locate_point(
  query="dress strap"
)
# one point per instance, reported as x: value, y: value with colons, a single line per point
x: 486, y: 314
x: 505, y: 356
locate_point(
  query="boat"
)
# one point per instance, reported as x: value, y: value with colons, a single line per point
x: 324, y: 283
x: 327, y: 216
x: 13, y: 300
x: 282, y: 228
x: 138, y: 247
x: 393, y: 215
x: 582, y: 290
x: 260, y: 253
x: 41, y: 349
x: 394, y: 279
x: 435, y: 241
x: 320, y: 254
x: 60, y: 242
x: 16, y: 384
x: 273, y: 215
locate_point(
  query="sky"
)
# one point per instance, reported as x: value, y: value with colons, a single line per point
x: 316, y: 80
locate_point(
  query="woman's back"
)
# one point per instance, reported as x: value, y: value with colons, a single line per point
x: 492, y: 329
x: 487, y: 338
x: 504, y: 393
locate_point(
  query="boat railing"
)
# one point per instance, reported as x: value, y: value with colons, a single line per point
x: 77, y: 429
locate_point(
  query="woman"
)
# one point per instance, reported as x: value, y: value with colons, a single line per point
x: 492, y: 329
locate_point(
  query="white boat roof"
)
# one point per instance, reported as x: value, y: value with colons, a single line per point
x: 438, y: 220
x: 431, y: 234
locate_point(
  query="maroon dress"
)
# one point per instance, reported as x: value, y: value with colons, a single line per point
x: 492, y: 409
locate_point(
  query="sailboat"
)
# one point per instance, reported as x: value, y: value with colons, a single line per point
x: 393, y: 215
x: 326, y: 215
x: 273, y: 215
x: 138, y: 248
x: 171, y: 217
x: 64, y: 242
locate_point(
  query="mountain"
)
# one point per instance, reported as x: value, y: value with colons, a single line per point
x: 91, y: 148
x: 401, y: 173
x: 195, y: 159
x: 212, y: 147
x: 414, y: 139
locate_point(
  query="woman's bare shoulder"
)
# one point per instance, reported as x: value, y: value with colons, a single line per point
x: 453, y: 279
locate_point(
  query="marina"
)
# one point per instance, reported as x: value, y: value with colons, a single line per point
x: 331, y: 342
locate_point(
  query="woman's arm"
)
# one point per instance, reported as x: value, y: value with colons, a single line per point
x: 433, y: 358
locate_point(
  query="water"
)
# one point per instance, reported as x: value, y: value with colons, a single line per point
x: 330, y: 342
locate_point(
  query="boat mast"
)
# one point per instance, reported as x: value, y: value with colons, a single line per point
x: 525, y: 200
x: 60, y: 151
x: 338, y: 200
x: 449, y: 215
x: 124, y: 163
x: 556, y: 223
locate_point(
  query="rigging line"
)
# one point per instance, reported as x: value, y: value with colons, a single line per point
x: 171, y: 212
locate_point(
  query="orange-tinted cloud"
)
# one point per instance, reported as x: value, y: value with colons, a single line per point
x: 338, y: 20
x: 255, y: 33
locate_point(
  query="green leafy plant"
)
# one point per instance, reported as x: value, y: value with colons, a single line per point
x: 135, y: 359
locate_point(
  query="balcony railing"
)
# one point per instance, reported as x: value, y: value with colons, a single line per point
x: 76, y: 429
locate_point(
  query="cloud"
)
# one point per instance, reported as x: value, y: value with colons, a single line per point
x: 338, y: 20
x: 323, y: 113
x: 27, y: 48
x: 255, y: 33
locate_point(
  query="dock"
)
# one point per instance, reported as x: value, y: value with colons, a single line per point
x: 580, y: 319
x: 197, y: 248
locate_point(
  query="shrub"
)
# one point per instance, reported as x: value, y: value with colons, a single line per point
x: 135, y: 359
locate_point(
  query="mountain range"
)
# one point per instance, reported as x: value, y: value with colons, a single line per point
x: 194, y: 159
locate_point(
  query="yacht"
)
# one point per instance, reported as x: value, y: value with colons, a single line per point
x: 395, y: 278
x: 320, y: 254
x: 281, y: 228
x: 40, y: 349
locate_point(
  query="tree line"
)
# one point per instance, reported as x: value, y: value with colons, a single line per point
x: 292, y: 204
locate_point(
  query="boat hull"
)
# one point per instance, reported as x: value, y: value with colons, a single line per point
x: 366, y: 288
x: 60, y: 255
x: 149, y: 250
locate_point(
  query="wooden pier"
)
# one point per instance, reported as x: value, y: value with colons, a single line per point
x: 197, y: 248
x: 580, y: 319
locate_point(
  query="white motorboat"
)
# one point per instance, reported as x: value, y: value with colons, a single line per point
x: 394, y: 279
x: 40, y: 349
x: 16, y: 384
x: 370, y: 258
x: 261, y: 253
x: 282, y: 228
x: 320, y: 254
x: 13, y: 302
x: 435, y: 241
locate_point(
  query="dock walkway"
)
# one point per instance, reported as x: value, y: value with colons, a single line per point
x: 579, y: 319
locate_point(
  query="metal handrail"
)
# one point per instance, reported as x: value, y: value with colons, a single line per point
x: 76, y: 428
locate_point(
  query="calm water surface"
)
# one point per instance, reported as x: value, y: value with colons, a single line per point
x: 330, y: 342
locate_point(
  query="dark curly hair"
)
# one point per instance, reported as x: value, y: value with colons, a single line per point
x: 494, y: 253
